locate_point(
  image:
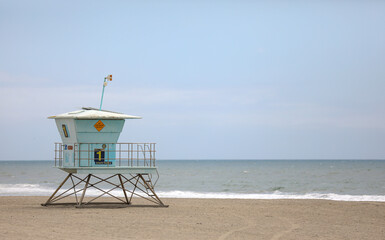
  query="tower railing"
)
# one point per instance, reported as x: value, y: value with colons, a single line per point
x: 114, y: 155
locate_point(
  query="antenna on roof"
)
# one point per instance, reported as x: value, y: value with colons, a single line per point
x: 108, y: 78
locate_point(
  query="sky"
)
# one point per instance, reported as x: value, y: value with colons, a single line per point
x: 211, y: 79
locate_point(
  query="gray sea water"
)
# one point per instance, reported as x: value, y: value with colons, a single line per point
x: 351, y: 180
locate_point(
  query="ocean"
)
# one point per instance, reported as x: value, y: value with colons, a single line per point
x: 343, y: 180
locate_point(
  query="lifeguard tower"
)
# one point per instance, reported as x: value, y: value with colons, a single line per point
x: 93, y: 158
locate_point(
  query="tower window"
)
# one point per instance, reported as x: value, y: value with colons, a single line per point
x: 64, y: 127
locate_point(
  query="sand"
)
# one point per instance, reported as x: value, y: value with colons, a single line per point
x: 24, y: 218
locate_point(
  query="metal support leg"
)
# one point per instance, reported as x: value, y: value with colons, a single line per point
x: 49, y: 199
x: 76, y: 196
x: 124, y: 190
x: 84, y: 190
x: 135, y: 185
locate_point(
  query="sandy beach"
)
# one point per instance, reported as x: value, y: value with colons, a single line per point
x: 24, y: 218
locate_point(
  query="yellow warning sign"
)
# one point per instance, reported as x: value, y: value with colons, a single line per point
x: 99, y: 125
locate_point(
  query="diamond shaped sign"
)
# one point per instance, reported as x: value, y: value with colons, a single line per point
x: 99, y: 125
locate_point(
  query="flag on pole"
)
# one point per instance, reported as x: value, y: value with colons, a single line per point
x: 109, y: 77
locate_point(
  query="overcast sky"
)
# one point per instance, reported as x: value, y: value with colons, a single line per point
x: 211, y: 79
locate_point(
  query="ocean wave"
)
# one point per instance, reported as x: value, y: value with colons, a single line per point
x: 38, y: 190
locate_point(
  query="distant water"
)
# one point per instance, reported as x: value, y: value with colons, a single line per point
x: 350, y: 180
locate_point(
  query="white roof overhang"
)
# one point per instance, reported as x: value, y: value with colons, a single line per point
x: 93, y: 113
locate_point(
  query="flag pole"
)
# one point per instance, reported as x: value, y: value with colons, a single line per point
x: 109, y: 77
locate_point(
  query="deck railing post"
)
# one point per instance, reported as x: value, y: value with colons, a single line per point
x: 74, y: 154
x: 55, y: 153
x: 60, y: 154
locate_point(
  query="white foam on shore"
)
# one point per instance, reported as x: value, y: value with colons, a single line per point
x: 275, y: 195
x: 24, y: 190
x: 38, y: 190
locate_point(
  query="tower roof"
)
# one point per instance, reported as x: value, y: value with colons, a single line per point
x: 94, y: 113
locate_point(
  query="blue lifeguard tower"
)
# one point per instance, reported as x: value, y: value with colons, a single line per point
x: 90, y: 148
